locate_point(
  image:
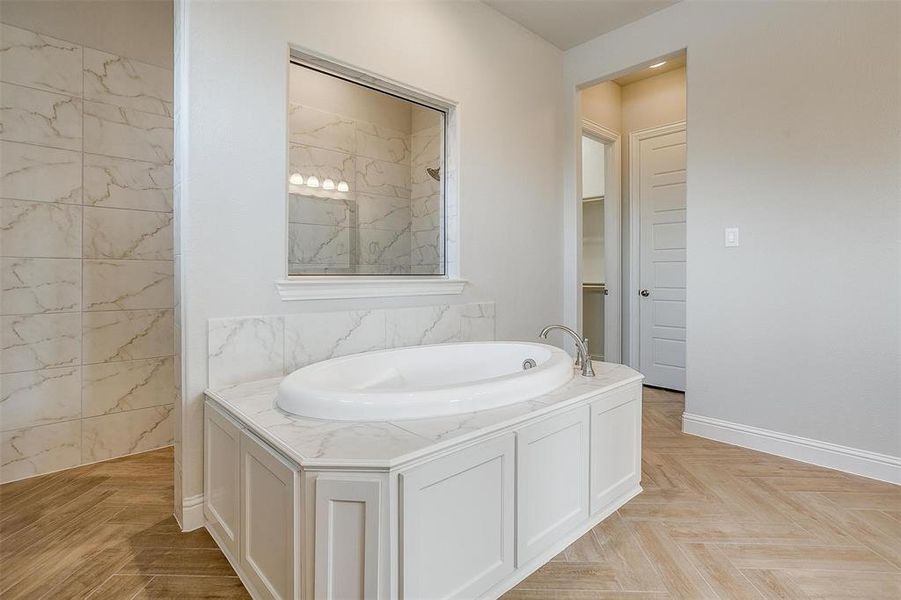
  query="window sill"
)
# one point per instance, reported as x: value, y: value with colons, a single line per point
x: 335, y: 287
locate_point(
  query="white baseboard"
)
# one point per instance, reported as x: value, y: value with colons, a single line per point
x: 824, y: 454
x: 192, y: 513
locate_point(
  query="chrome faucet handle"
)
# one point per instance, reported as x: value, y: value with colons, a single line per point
x: 583, y: 359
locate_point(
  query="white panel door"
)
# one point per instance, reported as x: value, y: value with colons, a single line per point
x: 457, y: 517
x: 661, y: 186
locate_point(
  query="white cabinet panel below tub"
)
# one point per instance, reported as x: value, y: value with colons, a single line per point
x: 222, y: 478
x: 348, y: 538
x: 615, y: 446
x: 269, y: 534
x: 457, y: 522
x: 552, y: 481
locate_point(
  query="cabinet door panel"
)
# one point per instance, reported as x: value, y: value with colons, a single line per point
x: 615, y: 446
x: 457, y: 518
x: 269, y: 537
x: 222, y: 477
x: 552, y: 481
x: 348, y: 538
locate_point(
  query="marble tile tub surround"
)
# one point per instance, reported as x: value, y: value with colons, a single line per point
x: 250, y: 348
x: 317, y: 442
x: 87, y: 353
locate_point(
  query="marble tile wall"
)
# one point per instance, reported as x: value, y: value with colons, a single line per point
x: 372, y: 228
x: 427, y: 222
x: 249, y: 348
x: 363, y: 230
x: 87, y: 353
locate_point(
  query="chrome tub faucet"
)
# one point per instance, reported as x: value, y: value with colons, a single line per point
x: 583, y: 359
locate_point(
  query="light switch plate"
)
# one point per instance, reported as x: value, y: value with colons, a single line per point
x: 731, y: 237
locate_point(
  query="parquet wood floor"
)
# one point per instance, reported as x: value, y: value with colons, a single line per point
x: 717, y: 521
x: 714, y: 521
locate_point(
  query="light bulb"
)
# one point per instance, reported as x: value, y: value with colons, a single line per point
x: 343, y: 187
x: 296, y: 179
x: 328, y: 184
x: 313, y: 181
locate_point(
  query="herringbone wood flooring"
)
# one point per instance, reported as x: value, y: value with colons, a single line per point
x: 106, y: 531
x: 714, y: 521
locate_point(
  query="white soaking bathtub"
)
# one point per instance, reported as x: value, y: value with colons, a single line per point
x: 424, y: 381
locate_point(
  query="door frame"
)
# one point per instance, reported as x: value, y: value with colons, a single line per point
x: 632, y: 327
x: 613, y: 321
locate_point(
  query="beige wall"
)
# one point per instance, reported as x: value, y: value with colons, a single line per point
x: 602, y: 104
x: 651, y: 102
x: 138, y: 29
x: 809, y: 171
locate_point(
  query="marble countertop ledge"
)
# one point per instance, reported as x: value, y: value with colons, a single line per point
x: 386, y: 445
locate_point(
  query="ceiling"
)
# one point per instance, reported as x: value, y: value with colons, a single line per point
x: 568, y: 23
x: 673, y: 62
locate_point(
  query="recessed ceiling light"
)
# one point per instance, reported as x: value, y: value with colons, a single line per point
x: 660, y: 64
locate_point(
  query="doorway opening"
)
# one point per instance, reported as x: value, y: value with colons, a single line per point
x: 632, y: 219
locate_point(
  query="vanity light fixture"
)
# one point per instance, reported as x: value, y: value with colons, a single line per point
x: 296, y: 179
x: 313, y: 181
x: 343, y: 187
x: 657, y: 65
x: 328, y: 184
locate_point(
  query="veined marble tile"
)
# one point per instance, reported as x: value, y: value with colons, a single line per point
x: 383, y: 212
x: 416, y: 269
x: 34, y: 398
x: 312, y: 337
x: 127, y: 335
x: 426, y: 212
x: 127, y: 133
x: 38, y: 117
x: 382, y: 143
x: 425, y: 248
x: 427, y: 147
x: 440, y: 429
x: 314, y: 210
x: 477, y: 322
x: 124, y: 183
x: 310, y: 126
x: 295, y: 268
x: 308, y: 160
x: 121, y: 386
x: 385, y: 247
x: 30, y: 172
x: 40, y: 229
x: 40, y: 285
x: 245, y: 349
x: 320, y: 244
x: 128, y: 432
x: 422, y: 325
x: 382, y: 178
x: 128, y: 284
x: 344, y: 440
x: 30, y: 342
x: 36, y: 450
x: 129, y: 83
x: 131, y: 234
x: 39, y: 61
